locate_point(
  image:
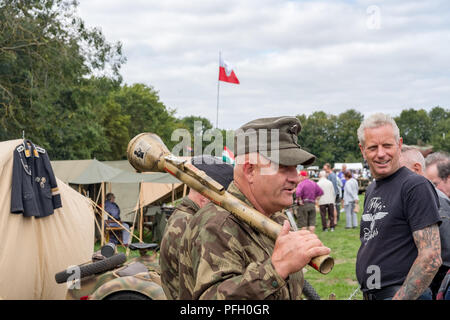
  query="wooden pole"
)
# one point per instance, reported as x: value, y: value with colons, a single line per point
x: 132, y: 229
x: 111, y: 217
x: 141, y: 216
x: 103, y: 215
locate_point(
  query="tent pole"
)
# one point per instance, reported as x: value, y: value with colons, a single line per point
x: 110, y: 216
x: 141, y: 219
x: 103, y: 215
x: 132, y: 229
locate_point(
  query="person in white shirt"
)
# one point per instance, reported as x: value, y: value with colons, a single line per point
x: 326, y: 202
x: 350, y: 200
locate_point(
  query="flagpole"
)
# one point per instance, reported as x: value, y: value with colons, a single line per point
x: 218, y: 86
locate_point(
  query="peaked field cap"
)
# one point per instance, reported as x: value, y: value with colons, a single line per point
x: 256, y: 136
x: 215, y: 168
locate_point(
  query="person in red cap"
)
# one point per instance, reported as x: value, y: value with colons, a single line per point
x: 306, y: 194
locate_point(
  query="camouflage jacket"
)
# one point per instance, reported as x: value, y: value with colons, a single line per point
x: 170, y: 246
x: 224, y: 258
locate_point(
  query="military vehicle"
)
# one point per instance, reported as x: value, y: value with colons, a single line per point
x: 111, y: 277
x: 363, y: 183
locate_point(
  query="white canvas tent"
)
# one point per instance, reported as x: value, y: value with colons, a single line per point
x: 133, y: 190
x: 120, y: 178
x: 33, y: 250
x: 131, y: 196
x: 350, y: 166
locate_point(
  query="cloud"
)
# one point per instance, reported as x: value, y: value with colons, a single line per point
x: 292, y: 57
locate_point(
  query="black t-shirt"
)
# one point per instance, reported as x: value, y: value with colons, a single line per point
x: 394, y: 208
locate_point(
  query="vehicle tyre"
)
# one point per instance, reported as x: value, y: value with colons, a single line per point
x: 309, y: 292
x: 126, y: 295
x: 92, y: 268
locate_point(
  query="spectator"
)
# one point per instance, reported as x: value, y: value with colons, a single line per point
x: 113, y: 209
x: 341, y: 176
x: 307, y: 193
x: 337, y: 192
x: 350, y: 201
x: 326, y: 202
x: 413, y: 159
x: 438, y: 171
x: 400, y: 250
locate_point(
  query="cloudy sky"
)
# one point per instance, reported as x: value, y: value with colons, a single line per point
x: 291, y: 57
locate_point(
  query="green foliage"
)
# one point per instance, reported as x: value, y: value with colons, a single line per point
x: 440, y: 119
x: 321, y: 132
x: 347, y: 124
x: 147, y: 113
x: 201, y: 132
x: 415, y: 126
x: 45, y: 54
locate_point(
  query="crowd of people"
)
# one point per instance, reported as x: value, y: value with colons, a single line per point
x: 332, y: 194
x: 404, y: 223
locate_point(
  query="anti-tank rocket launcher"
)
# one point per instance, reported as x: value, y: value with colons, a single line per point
x: 147, y: 152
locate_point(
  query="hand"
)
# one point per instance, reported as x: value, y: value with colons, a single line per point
x: 294, y: 250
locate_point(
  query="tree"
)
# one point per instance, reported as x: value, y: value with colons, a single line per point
x: 46, y: 52
x: 415, y: 126
x: 318, y: 136
x: 146, y: 112
x: 347, y: 149
x: 440, y: 137
x: 197, y: 126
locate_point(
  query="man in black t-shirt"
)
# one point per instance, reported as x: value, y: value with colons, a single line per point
x: 400, y: 245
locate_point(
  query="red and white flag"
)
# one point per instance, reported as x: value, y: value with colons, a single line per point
x: 226, y: 72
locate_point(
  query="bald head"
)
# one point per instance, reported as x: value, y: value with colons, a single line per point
x: 322, y: 174
x: 412, y: 159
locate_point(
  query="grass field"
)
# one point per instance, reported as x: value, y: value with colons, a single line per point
x: 344, y: 245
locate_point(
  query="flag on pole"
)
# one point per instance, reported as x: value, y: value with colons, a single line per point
x: 226, y: 72
x: 227, y: 156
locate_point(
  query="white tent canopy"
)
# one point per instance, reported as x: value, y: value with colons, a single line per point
x: 132, y: 190
x: 350, y: 166
x: 122, y: 180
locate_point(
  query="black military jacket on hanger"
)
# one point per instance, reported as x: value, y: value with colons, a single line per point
x: 34, y: 189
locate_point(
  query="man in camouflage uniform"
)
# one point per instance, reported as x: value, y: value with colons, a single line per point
x: 224, y: 258
x: 170, y: 244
